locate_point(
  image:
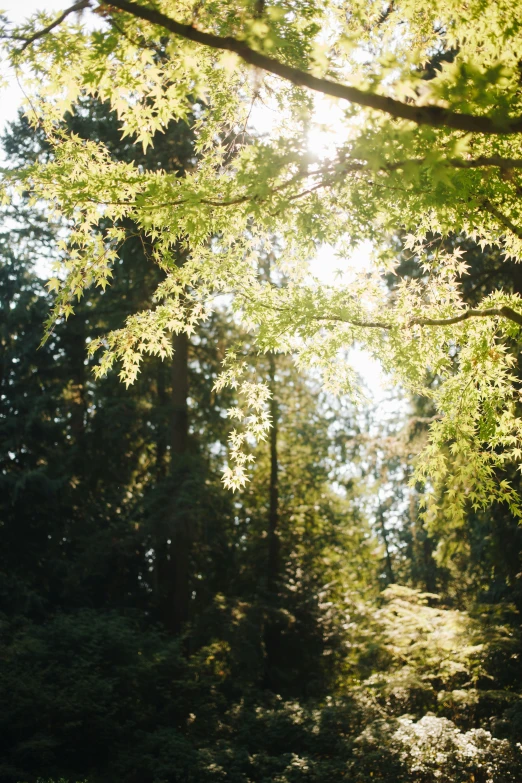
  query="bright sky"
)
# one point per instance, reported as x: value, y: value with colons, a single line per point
x: 11, y: 96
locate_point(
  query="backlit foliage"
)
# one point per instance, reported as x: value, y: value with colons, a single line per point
x: 426, y: 133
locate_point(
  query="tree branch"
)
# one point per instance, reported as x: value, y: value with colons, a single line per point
x: 503, y: 219
x: 348, y: 168
x: 434, y: 116
x: 45, y: 30
x: 504, y: 312
x: 494, y: 160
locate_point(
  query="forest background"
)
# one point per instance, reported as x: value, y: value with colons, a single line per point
x: 318, y: 625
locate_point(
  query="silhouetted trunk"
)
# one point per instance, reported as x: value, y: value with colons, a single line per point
x: 273, y: 510
x: 180, y: 542
x: 173, y: 548
x: 516, y: 276
x: 272, y: 629
x: 390, y: 575
x: 179, y: 424
x: 77, y: 396
x: 430, y: 579
x: 162, y: 434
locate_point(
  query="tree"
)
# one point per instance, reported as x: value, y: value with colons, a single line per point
x: 98, y: 689
x: 429, y: 144
x: 477, y: 557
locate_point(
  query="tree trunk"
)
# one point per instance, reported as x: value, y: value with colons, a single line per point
x: 272, y: 631
x: 77, y: 397
x: 516, y: 276
x: 180, y: 542
x: 390, y: 576
x: 174, y: 544
x: 179, y: 423
x: 273, y: 509
x: 162, y: 435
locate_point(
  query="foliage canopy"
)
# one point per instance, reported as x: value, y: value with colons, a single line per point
x: 426, y: 136
x: 260, y: 646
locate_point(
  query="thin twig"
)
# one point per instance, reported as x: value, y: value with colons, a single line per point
x: 45, y: 30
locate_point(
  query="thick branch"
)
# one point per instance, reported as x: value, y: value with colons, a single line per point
x: 386, y: 13
x: 45, y: 30
x: 503, y: 219
x: 435, y: 116
x: 481, y: 161
x: 505, y: 312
